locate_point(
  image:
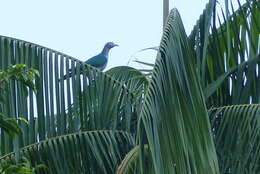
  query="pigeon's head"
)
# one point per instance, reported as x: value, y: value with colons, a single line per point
x: 110, y: 45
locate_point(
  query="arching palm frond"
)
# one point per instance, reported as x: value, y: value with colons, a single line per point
x: 84, y: 152
x: 87, y: 101
x: 228, y: 55
x: 236, y: 134
x: 174, y: 114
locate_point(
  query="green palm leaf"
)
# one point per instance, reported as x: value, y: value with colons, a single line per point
x: 87, y: 101
x: 221, y: 47
x: 174, y: 114
x: 236, y: 132
x: 85, y: 152
x: 130, y: 163
x: 158, y: 124
x: 131, y: 78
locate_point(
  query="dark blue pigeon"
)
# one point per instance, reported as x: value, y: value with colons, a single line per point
x: 100, y: 61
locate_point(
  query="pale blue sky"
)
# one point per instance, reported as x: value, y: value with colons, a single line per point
x: 80, y: 28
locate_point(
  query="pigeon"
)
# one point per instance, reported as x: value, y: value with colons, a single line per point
x: 100, y: 61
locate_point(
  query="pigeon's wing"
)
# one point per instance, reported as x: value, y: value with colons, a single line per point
x: 97, y: 61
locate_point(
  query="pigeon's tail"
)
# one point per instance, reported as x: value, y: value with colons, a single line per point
x: 70, y: 74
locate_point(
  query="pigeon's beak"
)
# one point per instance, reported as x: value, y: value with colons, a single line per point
x: 115, y: 45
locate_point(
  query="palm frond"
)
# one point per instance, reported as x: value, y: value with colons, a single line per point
x: 236, y: 132
x: 87, y: 101
x: 174, y: 115
x: 129, y: 165
x: 230, y: 39
x: 130, y: 77
x: 85, y: 152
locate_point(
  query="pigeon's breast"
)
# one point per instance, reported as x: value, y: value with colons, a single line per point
x: 98, y: 61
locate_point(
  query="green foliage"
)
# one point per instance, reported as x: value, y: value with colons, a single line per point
x: 172, y: 119
x: 82, y: 152
x: 24, y: 167
x: 131, y: 161
x: 227, y: 53
x: 10, y: 125
x: 179, y: 117
x: 236, y: 133
x: 24, y: 75
x: 20, y: 73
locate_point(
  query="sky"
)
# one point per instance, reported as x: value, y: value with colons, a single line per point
x: 80, y: 28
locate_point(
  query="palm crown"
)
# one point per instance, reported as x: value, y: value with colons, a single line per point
x: 198, y: 111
